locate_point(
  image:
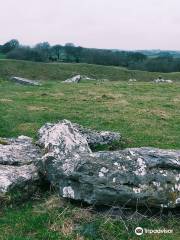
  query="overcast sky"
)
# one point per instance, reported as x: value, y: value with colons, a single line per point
x: 117, y: 24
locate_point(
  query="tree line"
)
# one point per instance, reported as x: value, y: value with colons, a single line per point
x: 44, y: 52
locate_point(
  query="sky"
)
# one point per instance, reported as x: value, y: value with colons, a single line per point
x: 113, y: 24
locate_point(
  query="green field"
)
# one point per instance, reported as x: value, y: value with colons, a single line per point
x: 2, y: 56
x: 145, y: 113
x: 59, y: 72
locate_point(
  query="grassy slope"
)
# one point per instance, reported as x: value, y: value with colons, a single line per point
x: 62, y: 71
x: 146, y: 114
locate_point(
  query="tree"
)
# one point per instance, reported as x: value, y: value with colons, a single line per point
x: 44, y: 50
x: 72, y: 53
x: 56, y: 52
x: 9, y: 46
x: 25, y: 53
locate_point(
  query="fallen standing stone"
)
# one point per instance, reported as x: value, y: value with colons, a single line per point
x: 25, y: 81
x: 143, y: 176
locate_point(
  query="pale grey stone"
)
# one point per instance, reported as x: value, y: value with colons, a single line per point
x: 75, y: 79
x: 25, y: 81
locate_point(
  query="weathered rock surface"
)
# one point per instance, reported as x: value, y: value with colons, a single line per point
x: 75, y: 79
x: 18, y: 157
x: 25, y: 81
x: 13, y: 178
x: 143, y: 176
x: 136, y: 176
x: 62, y: 140
x: 92, y: 137
x: 18, y: 151
x: 95, y: 138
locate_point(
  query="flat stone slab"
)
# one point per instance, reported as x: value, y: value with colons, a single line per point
x: 25, y: 81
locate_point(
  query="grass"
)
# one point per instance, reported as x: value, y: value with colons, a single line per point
x: 52, y: 218
x: 59, y: 72
x: 146, y: 114
x: 2, y: 56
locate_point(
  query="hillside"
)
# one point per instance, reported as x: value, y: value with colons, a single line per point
x: 61, y: 71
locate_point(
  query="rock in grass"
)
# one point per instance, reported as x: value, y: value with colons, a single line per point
x: 134, y: 177
x: 18, y: 178
x: 25, y: 81
x: 160, y: 80
x: 137, y: 176
x: 75, y: 79
x: 18, y: 151
x: 93, y: 138
x: 62, y: 140
x: 132, y: 80
x: 18, y: 173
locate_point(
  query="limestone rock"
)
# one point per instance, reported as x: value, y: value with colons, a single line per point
x: 143, y: 176
x: 75, y: 79
x: 18, y: 171
x: 62, y: 139
x: 132, y: 80
x: 18, y: 151
x: 95, y: 138
x: 147, y: 177
x: 92, y: 137
x: 160, y: 80
x: 13, y: 178
x: 25, y: 81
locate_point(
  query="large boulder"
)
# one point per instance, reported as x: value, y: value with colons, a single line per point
x: 137, y: 176
x: 18, y: 171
